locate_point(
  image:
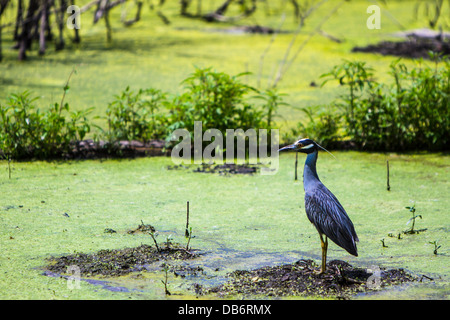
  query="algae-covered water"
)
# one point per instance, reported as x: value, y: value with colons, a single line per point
x: 239, y: 222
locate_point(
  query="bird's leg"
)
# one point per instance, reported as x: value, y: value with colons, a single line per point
x: 324, y: 245
x: 324, y: 255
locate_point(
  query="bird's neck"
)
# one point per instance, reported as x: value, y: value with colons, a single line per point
x: 310, y: 176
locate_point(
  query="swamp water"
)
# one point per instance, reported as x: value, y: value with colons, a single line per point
x: 239, y: 222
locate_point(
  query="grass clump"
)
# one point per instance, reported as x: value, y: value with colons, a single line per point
x: 217, y: 99
x: 29, y: 132
x: 411, y: 113
x: 135, y: 116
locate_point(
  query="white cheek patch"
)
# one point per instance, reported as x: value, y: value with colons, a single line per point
x: 309, y: 146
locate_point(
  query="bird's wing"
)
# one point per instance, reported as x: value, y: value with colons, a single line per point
x: 329, y: 217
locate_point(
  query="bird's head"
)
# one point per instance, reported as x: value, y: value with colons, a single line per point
x: 304, y: 145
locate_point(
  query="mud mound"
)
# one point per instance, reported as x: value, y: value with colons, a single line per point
x: 222, y: 169
x: 117, y: 262
x: 142, y: 228
x: 341, y: 280
x: 411, y: 48
x: 227, y: 169
x: 90, y: 149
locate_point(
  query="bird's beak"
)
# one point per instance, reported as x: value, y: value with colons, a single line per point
x: 289, y: 147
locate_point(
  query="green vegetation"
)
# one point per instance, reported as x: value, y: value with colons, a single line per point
x: 28, y: 132
x: 410, y: 113
x: 152, y: 54
x: 171, y: 68
x: 216, y: 99
x: 322, y: 126
x: 436, y: 247
x: 413, y: 220
x: 135, y: 116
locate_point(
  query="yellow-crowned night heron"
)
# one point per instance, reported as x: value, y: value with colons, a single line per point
x: 322, y: 207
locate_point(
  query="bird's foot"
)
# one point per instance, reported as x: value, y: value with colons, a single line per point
x: 319, y: 272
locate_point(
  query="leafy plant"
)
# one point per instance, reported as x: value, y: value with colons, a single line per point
x: 410, y: 113
x: 436, y: 247
x: 215, y: 98
x: 322, y: 126
x: 356, y: 75
x: 27, y: 131
x: 412, y: 219
x: 219, y: 101
x: 272, y: 100
x: 165, y: 281
x: 134, y: 116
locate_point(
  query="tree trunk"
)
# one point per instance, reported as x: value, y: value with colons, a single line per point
x: 26, y: 36
x: 108, y: 26
x: 60, y: 21
x: 199, y: 8
x: 19, y: 20
x: 43, y: 27
x: 223, y: 8
x: 103, y: 12
x: 184, y: 6
x: 48, y: 28
x: 3, y: 4
x: 1, y: 55
x: 77, y: 35
x: 130, y: 22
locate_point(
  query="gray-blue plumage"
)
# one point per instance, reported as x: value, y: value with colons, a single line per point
x: 325, y: 211
x: 322, y: 208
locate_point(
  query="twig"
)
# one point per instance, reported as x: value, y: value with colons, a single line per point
x: 288, y: 50
x: 189, y: 239
x: 427, y: 277
x: 389, y: 15
x: 285, y: 64
x: 346, y: 279
x: 128, y: 23
x: 266, y: 50
x: 166, y: 291
x: 66, y: 88
x: 9, y: 166
x: 154, y: 240
x: 186, y: 233
x: 329, y: 36
x: 388, y: 186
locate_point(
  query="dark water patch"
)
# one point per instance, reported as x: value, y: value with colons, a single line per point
x: 104, y: 284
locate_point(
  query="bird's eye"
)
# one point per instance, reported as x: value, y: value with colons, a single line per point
x: 308, y: 146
